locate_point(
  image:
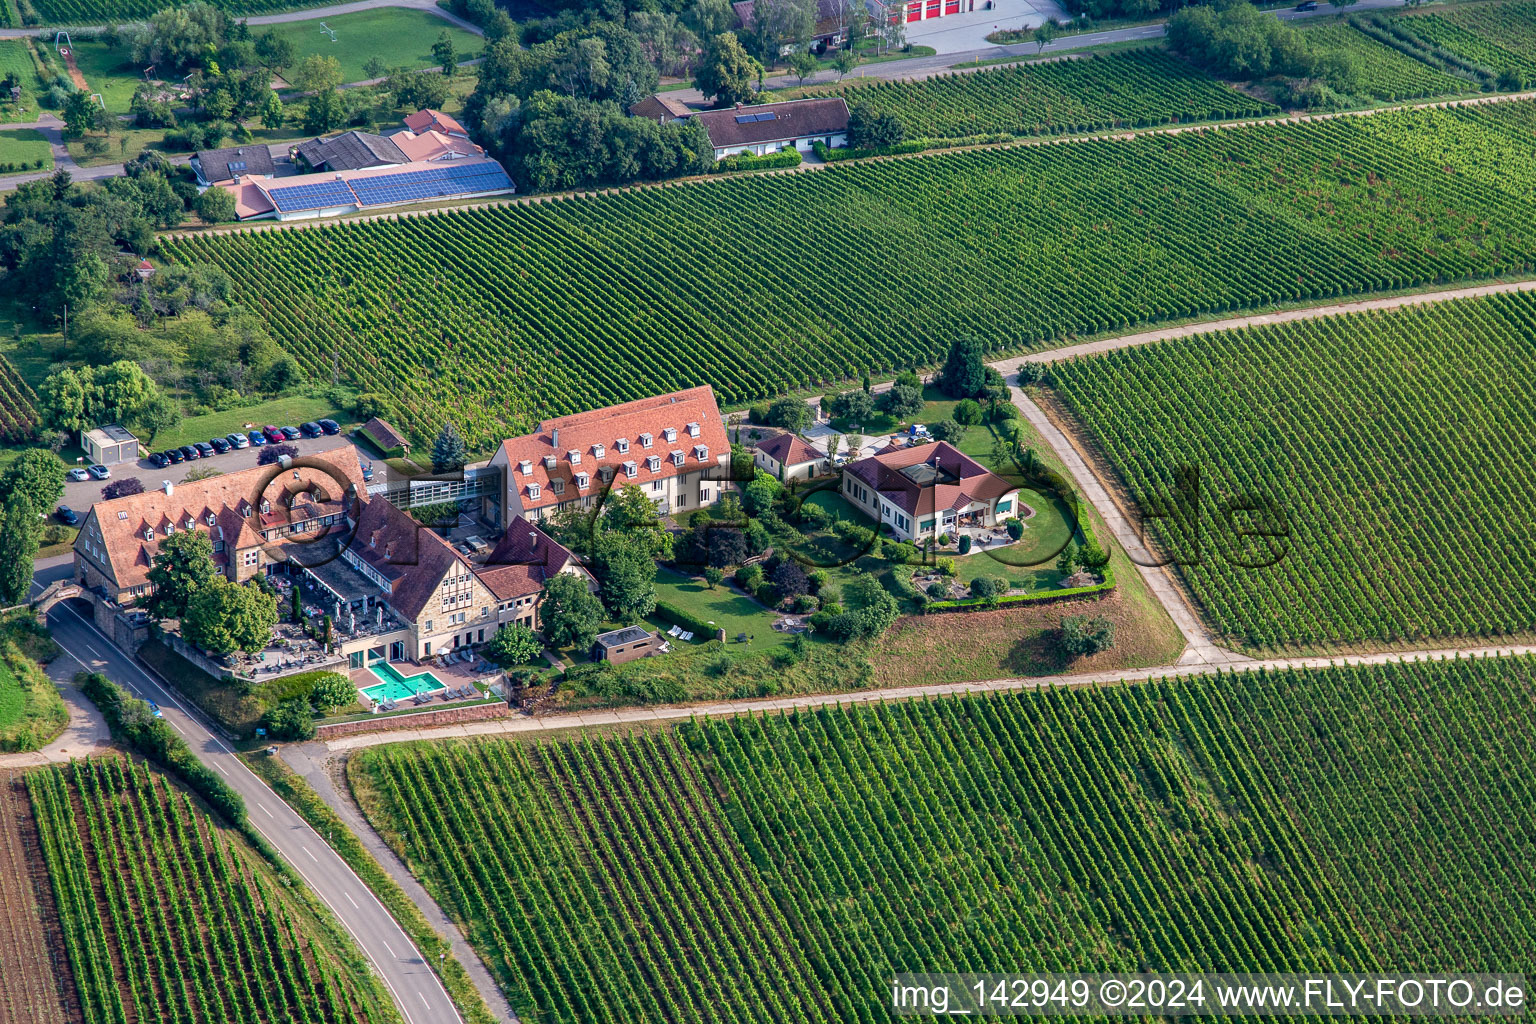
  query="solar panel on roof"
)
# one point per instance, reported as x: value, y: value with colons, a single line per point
x: 745, y: 118
x: 312, y: 197
x: 770, y: 116
x: 433, y: 183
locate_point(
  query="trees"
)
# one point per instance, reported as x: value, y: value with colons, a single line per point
x: 445, y: 56
x: 39, y: 475
x: 225, y: 616
x: 1239, y: 42
x: 182, y: 568
x: 331, y: 690
x: 853, y: 406
x: 569, y: 615
x: 627, y: 572
x: 512, y: 644
x: 317, y: 73
x: 274, y: 51
x: 901, y: 401
x: 726, y: 71
x: 290, y: 720
x: 968, y: 412
x: 216, y: 206
x: 163, y: 412
x: 324, y: 112
x: 20, y: 532
x: 844, y: 63
x: 965, y: 373
x: 1082, y: 636
x: 82, y: 114
x: 1045, y: 33
x: 789, y: 412
x: 869, y: 130
x: 803, y: 64
x: 947, y: 430
x: 713, y: 577
x: 448, y: 451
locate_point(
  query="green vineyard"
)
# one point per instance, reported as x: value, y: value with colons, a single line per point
x: 1381, y: 72
x: 18, y: 406
x: 1495, y: 36
x: 1137, y: 89
x: 165, y: 920
x: 499, y: 316
x: 1396, y: 445
x: 782, y: 869
x: 97, y: 12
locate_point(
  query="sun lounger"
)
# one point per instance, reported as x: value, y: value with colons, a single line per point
x: 675, y: 631
x: 686, y: 636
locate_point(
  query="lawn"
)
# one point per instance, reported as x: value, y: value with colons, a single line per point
x: 280, y: 411
x: 14, y: 57
x: 108, y: 71
x: 24, y: 149
x: 725, y: 606
x: 398, y: 37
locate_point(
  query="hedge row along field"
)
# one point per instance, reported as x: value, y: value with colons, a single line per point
x: 498, y: 316
x: 782, y: 869
x: 1121, y: 90
x: 165, y: 919
x: 1382, y: 73
x: 1396, y: 444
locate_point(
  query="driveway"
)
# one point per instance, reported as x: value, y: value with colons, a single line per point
x: 81, y: 496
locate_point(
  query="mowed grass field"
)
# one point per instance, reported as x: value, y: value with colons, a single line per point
x: 497, y: 316
x: 398, y: 37
x: 1393, y: 448
x: 24, y: 149
x: 782, y: 868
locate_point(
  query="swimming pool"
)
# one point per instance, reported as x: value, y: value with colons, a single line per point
x: 398, y: 687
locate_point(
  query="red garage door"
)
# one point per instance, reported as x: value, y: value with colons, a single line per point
x: 933, y: 8
x: 915, y: 12
x: 951, y: 6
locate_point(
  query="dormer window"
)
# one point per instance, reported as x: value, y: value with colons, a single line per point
x: 670, y: 434
x: 653, y: 463
x: 558, y: 486
x: 621, y: 445
x: 598, y: 451
x: 525, y: 467
x: 677, y: 458
x: 582, y: 479
x: 149, y: 533
x: 575, y: 456
x: 266, y: 506
x: 549, y: 461
x: 701, y: 452
x: 170, y: 528
x: 210, y: 518
x: 533, y: 491
x: 606, y: 473
x: 645, y: 440
x: 630, y: 469
x: 246, y: 512
x: 693, y: 430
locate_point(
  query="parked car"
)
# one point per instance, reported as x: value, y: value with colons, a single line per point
x: 190, y: 453
x: 67, y: 515
x: 100, y: 472
x: 154, y: 709
x: 204, y: 449
x: 290, y: 433
x: 275, y: 435
x: 329, y: 426
x: 257, y: 438
x: 220, y: 445
x: 238, y: 440
x: 310, y: 429
x: 157, y: 459
x: 367, y: 471
x: 1307, y: 5
x: 77, y: 474
x: 174, y: 456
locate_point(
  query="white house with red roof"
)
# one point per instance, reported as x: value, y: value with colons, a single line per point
x: 922, y: 491
x: 789, y: 457
x: 673, y: 447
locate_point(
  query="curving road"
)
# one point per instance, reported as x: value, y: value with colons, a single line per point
x: 417, y: 992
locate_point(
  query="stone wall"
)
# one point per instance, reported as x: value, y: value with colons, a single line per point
x: 418, y: 720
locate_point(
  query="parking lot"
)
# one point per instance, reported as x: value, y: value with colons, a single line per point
x: 81, y: 496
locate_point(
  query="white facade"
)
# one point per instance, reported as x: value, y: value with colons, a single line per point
x: 802, y: 143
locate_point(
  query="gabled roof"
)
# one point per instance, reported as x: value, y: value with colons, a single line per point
x: 384, y: 435
x: 922, y: 479
x: 548, y: 452
x: 775, y: 122
x: 351, y: 151
x: 235, y: 161
x: 434, y: 145
x: 434, y: 120
x: 234, y: 499
x: 789, y: 450
x: 410, y: 556
x: 661, y: 108
x: 522, y: 561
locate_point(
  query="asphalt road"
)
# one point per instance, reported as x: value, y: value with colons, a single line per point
x: 81, y: 495
x: 418, y: 994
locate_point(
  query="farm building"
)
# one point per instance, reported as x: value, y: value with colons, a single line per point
x: 430, y: 120
x: 218, y: 166
x: 331, y: 194
x: 789, y: 457
x: 349, y: 151
x: 774, y: 126
x: 672, y: 446
x: 920, y: 10
x: 922, y: 491
x: 386, y: 438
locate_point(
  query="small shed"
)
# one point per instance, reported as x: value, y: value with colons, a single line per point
x: 627, y: 644
x: 109, y: 445
x: 386, y: 438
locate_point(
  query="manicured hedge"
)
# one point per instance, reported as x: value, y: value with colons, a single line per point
x: 687, y: 620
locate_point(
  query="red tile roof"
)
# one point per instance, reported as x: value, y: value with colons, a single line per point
x: 583, y: 443
x: 433, y: 120
x: 921, y: 479
x: 793, y: 119
x: 789, y: 450
x: 316, y: 488
x: 522, y: 561
x: 409, y: 555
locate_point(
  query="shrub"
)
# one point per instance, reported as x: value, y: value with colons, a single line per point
x: 1082, y: 636
x: 767, y: 594
x: 748, y: 577
x: 947, y: 430
x: 681, y: 617
x: 787, y: 157
x: 965, y: 543
x: 938, y: 591
x: 331, y: 690
x: 290, y: 720
x: 804, y: 603
x: 988, y: 586
x: 968, y: 412
x: 1015, y: 527
x: 122, y: 488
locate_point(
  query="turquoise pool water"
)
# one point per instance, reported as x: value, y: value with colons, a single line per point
x: 398, y: 687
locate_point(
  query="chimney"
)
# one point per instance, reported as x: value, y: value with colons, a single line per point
x: 285, y: 461
x: 165, y: 485
x: 533, y: 539
x: 554, y: 437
